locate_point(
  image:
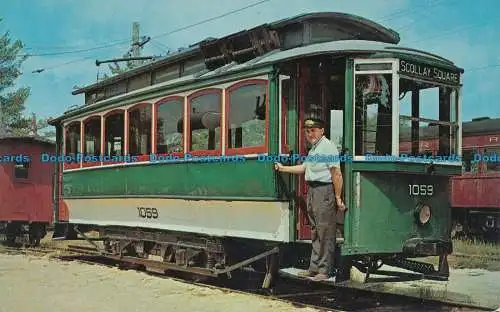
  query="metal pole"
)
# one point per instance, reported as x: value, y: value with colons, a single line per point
x: 136, y: 49
x: 97, y: 62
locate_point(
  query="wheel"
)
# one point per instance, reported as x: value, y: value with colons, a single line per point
x: 36, y: 232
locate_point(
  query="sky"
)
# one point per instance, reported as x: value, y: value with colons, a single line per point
x: 66, y: 37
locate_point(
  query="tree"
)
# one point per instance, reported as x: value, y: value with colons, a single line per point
x: 116, y: 69
x: 11, y: 101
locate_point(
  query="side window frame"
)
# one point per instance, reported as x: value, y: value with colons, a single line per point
x: 73, y: 164
x: 166, y: 101
x: 149, y: 149
x: 84, y: 150
x: 217, y: 151
x: 251, y: 149
x: 105, y: 152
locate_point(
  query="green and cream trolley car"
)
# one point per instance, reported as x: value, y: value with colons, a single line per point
x: 166, y: 160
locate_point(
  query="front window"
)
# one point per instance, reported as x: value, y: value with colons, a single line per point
x: 427, y: 119
x: 373, y: 114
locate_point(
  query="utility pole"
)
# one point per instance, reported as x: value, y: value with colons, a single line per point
x: 136, y: 48
x: 132, y: 56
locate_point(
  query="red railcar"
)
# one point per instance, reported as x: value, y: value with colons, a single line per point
x: 475, y: 195
x: 25, y: 188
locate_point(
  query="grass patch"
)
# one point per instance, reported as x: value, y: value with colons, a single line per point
x: 471, y: 247
x: 470, y: 254
x: 475, y: 255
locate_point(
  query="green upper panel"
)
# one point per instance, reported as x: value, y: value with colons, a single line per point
x: 250, y: 179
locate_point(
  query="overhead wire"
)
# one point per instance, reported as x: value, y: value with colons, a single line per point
x: 481, y: 68
x: 435, y: 4
x: 388, y: 17
x: 405, y: 12
x: 63, y: 64
x: 153, y: 37
x: 158, y: 43
x: 156, y: 36
x: 210, y: 19
x: 78, y: 46
x: 451, y: 31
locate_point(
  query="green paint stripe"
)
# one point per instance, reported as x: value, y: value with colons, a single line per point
x: 405, y: 167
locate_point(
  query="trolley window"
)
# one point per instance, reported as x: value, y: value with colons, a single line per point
x: 73, y: 142
x: 169, y: 126
x: 92, y: 132
x: 428, y: 118
x: 139, y: 130
x: 114, y: 134
x: 373, y: 114
x: 205, y: 119
x: 246, y: 116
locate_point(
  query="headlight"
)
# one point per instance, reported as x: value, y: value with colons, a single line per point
x: 423, y: 213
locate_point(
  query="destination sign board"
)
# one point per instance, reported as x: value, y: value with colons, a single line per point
x: 430, y: 73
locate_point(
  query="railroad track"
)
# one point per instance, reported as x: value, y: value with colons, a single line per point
x: 31, y: 250
x: 298, y: 292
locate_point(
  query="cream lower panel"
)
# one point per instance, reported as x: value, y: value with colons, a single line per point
x: 257, y: 220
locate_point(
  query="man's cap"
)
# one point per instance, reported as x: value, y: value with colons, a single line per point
x: 313, y: 123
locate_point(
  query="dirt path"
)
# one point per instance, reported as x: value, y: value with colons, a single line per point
x: 30, y: 283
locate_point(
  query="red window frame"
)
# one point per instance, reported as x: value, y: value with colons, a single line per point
x: 164, y: 101
x: 142, y: 157
x: 84, y: 123
x: 252, y: 149
x: 66, y: 129
x: 125, y: 130
x: 216, y: 152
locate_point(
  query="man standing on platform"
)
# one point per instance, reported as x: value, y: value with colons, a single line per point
x: 323, y: 198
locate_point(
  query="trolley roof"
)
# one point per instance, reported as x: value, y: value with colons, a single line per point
x: 335, y: 26
x: 301, y: 36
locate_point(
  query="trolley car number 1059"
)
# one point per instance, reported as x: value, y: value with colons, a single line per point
x: 420, y: 189
x: 147, y: 213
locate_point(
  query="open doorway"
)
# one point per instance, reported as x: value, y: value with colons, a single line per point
x: 321, y: 93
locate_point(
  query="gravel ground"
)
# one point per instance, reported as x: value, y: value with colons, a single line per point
x: 31, y: 283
